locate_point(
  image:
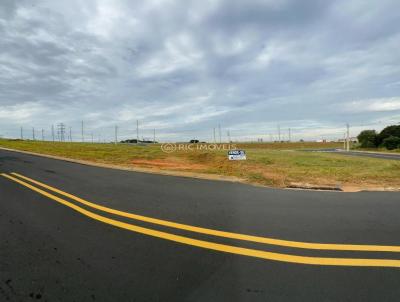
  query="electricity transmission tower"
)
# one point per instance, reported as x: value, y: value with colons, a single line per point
x: 61, y: 131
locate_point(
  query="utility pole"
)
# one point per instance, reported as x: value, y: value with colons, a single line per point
x: 214, y: 135
x: 290, y: 135
x: 42, y: 135
x: 219, y: 132
x: 22, y: 133
x: 83, y: 137
x: 344, y: 141
x: 33, y: 133
x: 137, y: 131
x: 52, y: 132
x: 348, y: 137
x: 116, y: 134
x: 279, y: 133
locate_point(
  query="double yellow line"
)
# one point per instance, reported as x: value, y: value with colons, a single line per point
x: 29, y: 183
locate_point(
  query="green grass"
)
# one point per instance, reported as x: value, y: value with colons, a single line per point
x: 273, y: 164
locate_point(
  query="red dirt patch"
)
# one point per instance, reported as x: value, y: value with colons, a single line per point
x: 167, y: 164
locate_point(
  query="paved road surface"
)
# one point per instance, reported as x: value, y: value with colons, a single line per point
x: 374, y: 155
x: 381, y: 155
x: 56, y: 248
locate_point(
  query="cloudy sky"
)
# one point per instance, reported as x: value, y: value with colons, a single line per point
x: 183, y: 67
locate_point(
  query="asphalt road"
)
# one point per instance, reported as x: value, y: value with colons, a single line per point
x: 358, y: 153
x: 55, y: 248
x: 374, y: 155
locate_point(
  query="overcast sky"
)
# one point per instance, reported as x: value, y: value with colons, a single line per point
x: 183, y: 67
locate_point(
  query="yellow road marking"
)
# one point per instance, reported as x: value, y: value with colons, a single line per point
x: 216, y: 246
x: 265, y: 240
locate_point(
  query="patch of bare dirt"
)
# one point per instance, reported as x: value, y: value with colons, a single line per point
x: 344, y: 188
x: 167, y: 164
x: 308, y: 186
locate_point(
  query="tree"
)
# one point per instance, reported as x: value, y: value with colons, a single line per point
x: 391, y: 142
x: 368, y: 138
x: 387, y: 132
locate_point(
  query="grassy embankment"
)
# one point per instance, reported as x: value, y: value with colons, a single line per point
x: 271, y: 164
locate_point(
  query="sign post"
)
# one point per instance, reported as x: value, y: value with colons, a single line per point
x: 237, y: 155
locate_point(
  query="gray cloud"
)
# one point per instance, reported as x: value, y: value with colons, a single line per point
x: 183, y: 67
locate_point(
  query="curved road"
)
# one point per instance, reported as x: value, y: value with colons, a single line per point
x: 380, y: 155
x: 147, y: 237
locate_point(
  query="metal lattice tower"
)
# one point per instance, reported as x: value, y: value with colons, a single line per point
x: 61, y: 132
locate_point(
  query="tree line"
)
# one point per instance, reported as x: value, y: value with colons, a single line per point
x: 388, y: 138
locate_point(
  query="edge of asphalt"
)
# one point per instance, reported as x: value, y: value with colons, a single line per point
x: 377, y: 152
x: 308, y: 187
x: 133, y: 169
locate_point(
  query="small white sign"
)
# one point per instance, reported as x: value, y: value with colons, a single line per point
x: 237, y: 155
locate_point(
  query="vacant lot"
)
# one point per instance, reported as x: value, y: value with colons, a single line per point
x: 271, y: 164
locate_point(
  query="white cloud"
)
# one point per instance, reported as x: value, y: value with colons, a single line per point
x: 374, y: 105
x: 187, y: 66
x: 21, y: 112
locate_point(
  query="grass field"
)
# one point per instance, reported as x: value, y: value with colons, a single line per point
x: 271, y: 164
